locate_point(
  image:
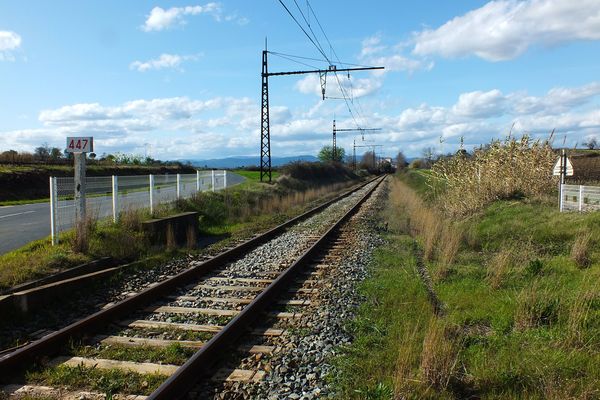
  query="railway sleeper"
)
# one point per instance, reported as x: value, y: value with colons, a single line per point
x: 36, y: 391
x: 193, y: 327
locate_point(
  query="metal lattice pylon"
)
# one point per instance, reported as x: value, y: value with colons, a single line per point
x: 265, y: 136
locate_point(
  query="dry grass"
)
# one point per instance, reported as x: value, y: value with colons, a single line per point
x: 440, y: 237
x: 450, y: 240
x: 537, y: 305
x: 409, y: 349
x: 580, y: 252
x: 439, y: 357
x: 499, y: 267
x: 83, y: 234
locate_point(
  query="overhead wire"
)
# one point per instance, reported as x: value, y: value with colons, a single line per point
x: 347, y: 97
x: 302, y: 28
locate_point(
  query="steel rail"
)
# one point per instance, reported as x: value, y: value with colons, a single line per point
x: 50, y: 344
x: 199, y: 365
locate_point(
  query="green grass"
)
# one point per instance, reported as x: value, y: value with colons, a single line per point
x: 535, y: 336
x: 174, y: 354
x: 254, y: 175
x: 108, y: 382
x: 390, y: 324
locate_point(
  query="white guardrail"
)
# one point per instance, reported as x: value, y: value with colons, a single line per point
x: 579, y: 198
x: 109, y: 196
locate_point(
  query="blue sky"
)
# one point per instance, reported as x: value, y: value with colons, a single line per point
x: 182, y: 78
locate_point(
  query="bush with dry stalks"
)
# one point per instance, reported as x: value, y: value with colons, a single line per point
x: 500, y: 170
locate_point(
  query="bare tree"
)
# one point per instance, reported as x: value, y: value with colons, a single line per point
x: 401, y: 160
x: 42, y: 152
x: 368, y: 160
x: 592, y: 143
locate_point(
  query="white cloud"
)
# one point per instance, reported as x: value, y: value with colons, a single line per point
x: 504, y: 29
x: 480, y: 104
x: 556, y: 100
x: 374, y: 52
x: 215, y: 127
x: 164, y: 61
x: 9, y: 41
x: 160, y: 19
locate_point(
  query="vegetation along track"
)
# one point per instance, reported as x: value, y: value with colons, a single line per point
x: 185, y: 324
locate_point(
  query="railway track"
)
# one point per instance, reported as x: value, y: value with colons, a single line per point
x: 176, y: 331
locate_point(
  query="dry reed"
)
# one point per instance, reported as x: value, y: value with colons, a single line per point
x: 500, y: 170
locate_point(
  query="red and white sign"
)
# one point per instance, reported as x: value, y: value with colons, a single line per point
x: 80, y: 144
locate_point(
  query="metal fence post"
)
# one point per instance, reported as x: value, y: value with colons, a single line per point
x: 151, y: 183
x: 115, y: 198
x: 53, y: 211
x: 224, y: 179
x: 213, y: 180
x: 178, y: 186
x: 580, y: 198
x: 197, y: 181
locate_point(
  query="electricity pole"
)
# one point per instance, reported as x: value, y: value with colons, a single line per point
x: 265, y: 134
x: 335, y: 131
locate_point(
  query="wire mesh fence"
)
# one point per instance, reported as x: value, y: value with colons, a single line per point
x: 579, y: 198
x: 109, y: 196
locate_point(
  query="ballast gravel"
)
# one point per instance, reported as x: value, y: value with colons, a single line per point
x: 301, y: 369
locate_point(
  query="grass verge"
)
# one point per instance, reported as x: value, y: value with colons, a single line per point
x: 522, y: 303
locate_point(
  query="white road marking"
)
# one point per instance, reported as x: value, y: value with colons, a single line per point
x: 14, y: 215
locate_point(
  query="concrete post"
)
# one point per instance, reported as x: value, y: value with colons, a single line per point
x: 151, y: 188
x: 53, y: 211
x: 79, y: 188
x: 178, y: 186
x: 197, y: 181
x: 580, y: 198
x: 224, y: 179
x: 115, y: 198
x: 213, y: 179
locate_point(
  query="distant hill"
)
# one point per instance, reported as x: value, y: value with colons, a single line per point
x: 246, y: 161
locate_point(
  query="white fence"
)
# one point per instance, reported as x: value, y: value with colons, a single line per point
x: 579, y: 198
x: 108, y: 196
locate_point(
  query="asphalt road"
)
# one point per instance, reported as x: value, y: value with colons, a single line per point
x: 25, y: 223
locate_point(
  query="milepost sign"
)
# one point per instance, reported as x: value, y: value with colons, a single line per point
x: 80, y: 144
